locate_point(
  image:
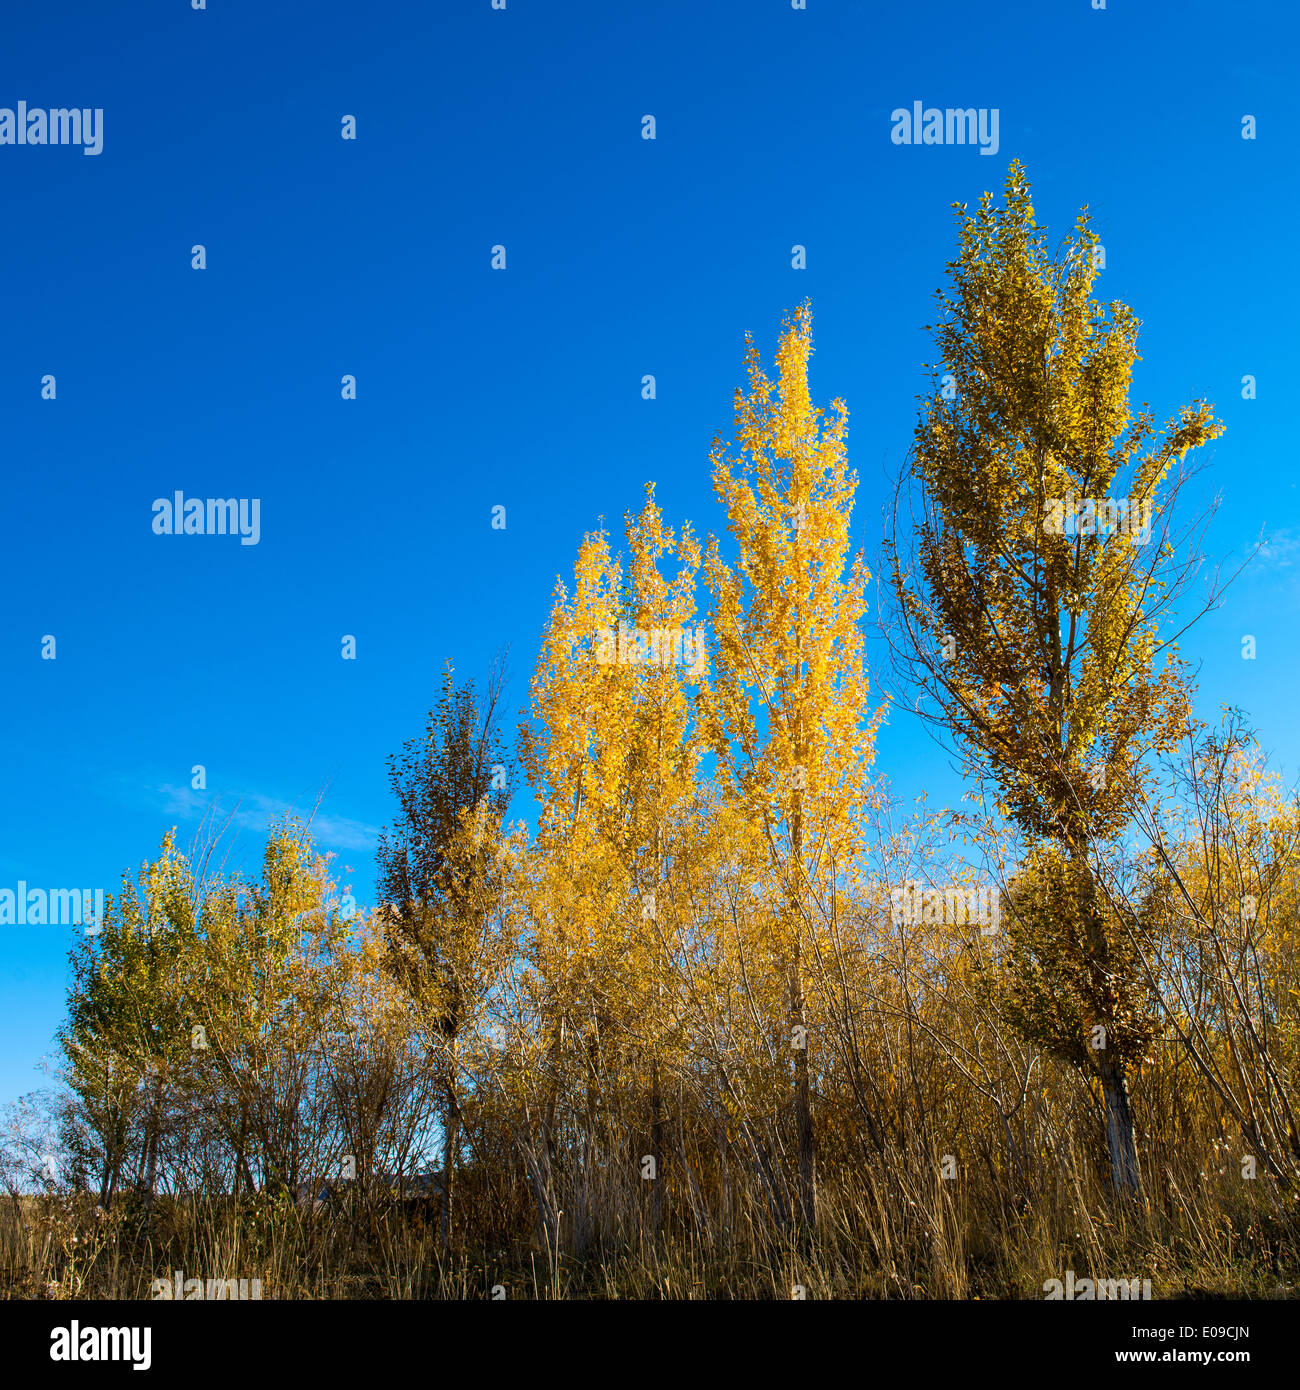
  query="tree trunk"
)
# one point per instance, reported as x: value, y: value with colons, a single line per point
x: 152, y: 1139
x: 802, y: 1098
x: 450, y: 1131
x: 242, y: 1169
x: 656, y: 1149
x: 803, y: 1106
x: 151, y: 1170
x: 112, y: 1162
x: 1120, y: 1141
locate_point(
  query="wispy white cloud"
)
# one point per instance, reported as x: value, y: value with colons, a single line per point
x: 253, y: 811
x: 1280, y: 551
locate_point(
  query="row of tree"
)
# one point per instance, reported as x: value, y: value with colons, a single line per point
x: 689, y: 993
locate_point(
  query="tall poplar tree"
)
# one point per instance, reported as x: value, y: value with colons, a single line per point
x: 1037, y: 612
x: 787, y: 707
x: 442, y: 866
x: 612, y: 754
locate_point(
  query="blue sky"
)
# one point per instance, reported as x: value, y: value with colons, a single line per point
x: 478, y: 388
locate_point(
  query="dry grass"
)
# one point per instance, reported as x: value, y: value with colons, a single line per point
x: 889, y: 1232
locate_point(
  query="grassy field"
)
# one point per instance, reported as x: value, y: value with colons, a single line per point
x: 883, y: 1235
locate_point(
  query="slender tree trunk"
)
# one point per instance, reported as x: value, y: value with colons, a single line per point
x: 656, y: 1149
x: 153, y: 1138
x: 803, y: 1119
x: 241, y: 1163
x: 582, y: 1226
x: 803, y: 1104
x: 151, y: 1171
x: 1120, y: 1141
x: 112, y: 1160
x: 451, y: 1128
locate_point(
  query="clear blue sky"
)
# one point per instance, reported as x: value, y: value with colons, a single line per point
x: 522, y: 388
